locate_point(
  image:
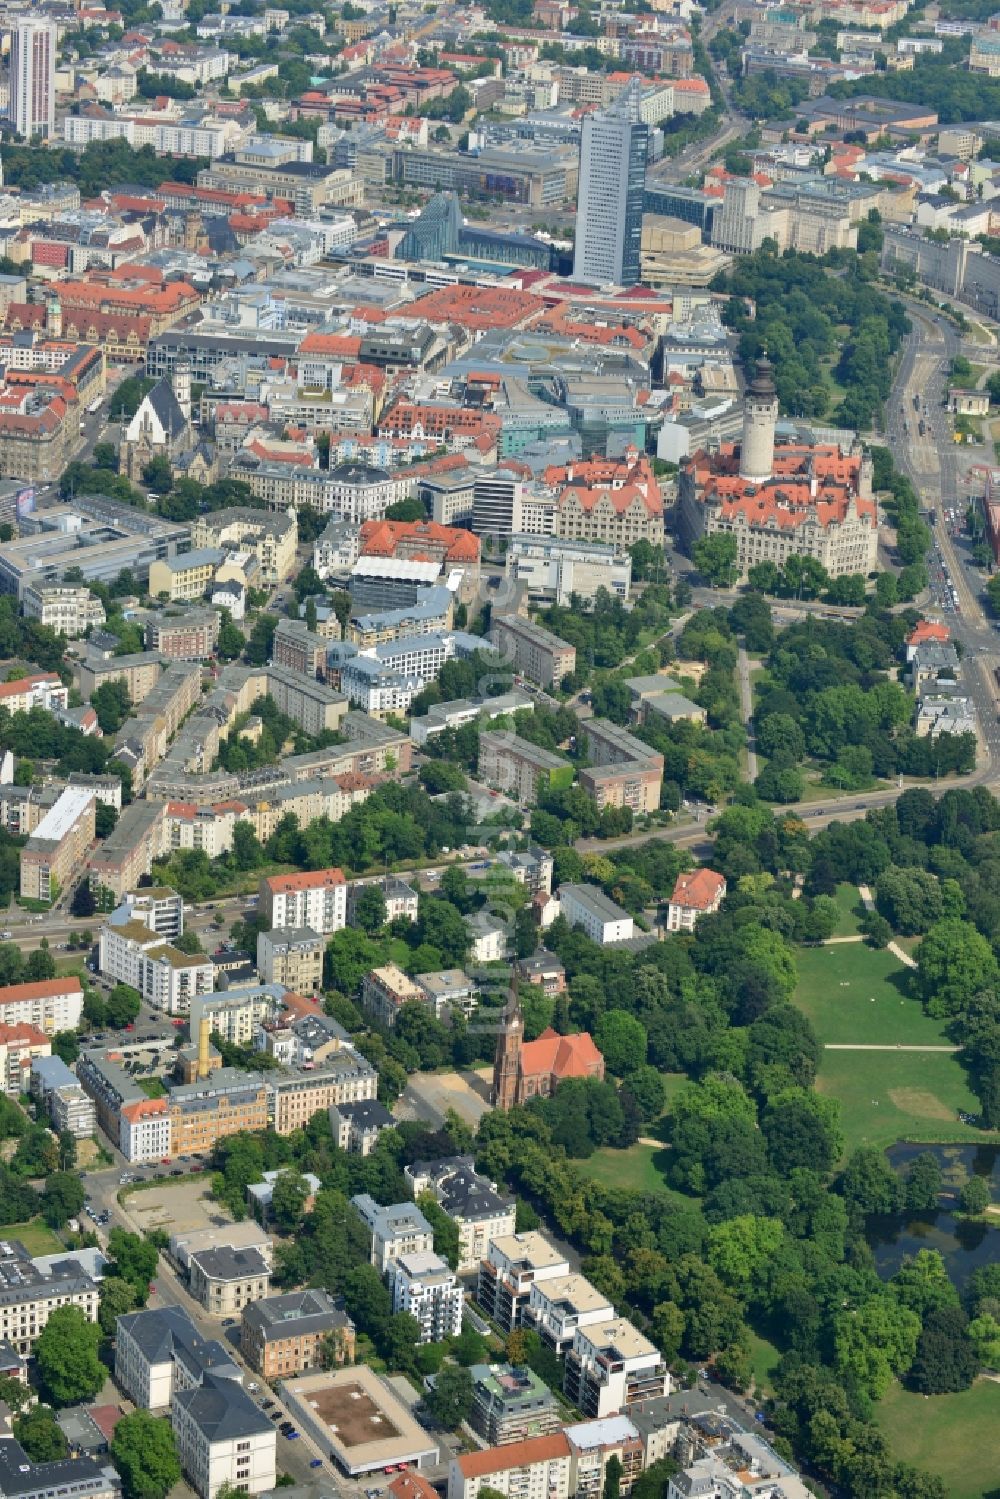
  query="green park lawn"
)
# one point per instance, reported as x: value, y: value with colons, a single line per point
x: 636, y: 1169
x: 763, y: 1360
x: 953, y: 1436
x: 887, y: 1096
x: 35, y: 1235
x: 851, y: 910
x: 853, y: 993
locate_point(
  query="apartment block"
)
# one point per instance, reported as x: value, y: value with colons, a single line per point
x: 69, y: 1107
x: 315, y: 707
x: 624, y: 771
x: 561, y: 1304
x: 519, y: 768
x: 511, y: 1405
x: 384, y: 992
x: 237, y: 1014
x: 425, y: 1287
x: 357, y: 1126
x: 513, y: 1263
x: 127, y: 853
x: 54, y: 855
x: 285, y: 1335
x: 224, y: 1440
x: 298, y: 649
x: 587, y: 907
x: 292, y: 956
x: 229, y: 1102
x: 470, y: 1200
x: 594, y: 1443
x: 296, y: 1094
x: 316, y: 899
x: 131, y: 953
x: 398, y: 1229
x: 272, y: 538
x: 140, y: 673
x: 21, y: 1046
x: 612, y: 1365
x: 48, y: 1005
x: 69, y: 609
x: 158, y: 1352
x: 538, y: 1468
x: 28, y: 1297
x: 190, y: 636
x: 541, y: 656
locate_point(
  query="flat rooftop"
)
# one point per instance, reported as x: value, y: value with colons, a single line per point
x: 359, y: 1418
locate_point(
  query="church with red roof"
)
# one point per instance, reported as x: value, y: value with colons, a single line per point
x: 534, y: 1069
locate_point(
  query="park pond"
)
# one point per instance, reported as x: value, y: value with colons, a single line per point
x: 963, y: 1245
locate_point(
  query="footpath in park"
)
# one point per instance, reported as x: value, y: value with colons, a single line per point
x: 893, y: 947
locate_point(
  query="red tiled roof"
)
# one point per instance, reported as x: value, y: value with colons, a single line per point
x: 310, y: 879
x: 383, y: 538
x: 928, y: 629
x: 698, y: 890
x: 561, y: 1056
x: 23, y: 1034
x: 41, y: 989
x: 513, y: 1455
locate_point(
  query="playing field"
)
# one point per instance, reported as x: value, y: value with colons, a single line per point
x: 859, y: 995
x: 887, y: 1096
x: 953, y: 1436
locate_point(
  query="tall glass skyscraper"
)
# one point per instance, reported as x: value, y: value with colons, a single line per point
x: 609, y: 200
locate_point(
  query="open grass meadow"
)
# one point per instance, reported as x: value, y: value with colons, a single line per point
x: 855, y: 994
x: 35, y: 1235
x: 887, y: 1096
x: 954, y: 1436
x: 851, y: 910
x: 637, y: 1169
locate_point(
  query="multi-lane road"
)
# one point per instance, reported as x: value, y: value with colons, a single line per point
x: 931, y: 460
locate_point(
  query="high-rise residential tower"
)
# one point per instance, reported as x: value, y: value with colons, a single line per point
x: 33, y: 77
x: 609, y: 201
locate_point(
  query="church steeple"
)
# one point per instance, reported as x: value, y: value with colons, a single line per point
x: 507, y: 1064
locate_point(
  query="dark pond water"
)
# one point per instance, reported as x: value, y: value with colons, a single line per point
x: 964, y: 1246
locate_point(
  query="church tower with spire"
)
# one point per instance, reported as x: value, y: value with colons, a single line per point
x: 507, y: 1064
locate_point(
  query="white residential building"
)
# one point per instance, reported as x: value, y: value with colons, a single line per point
x: 144, y: 1131
x: 49, y: 1004
x: 33, y: 45
x: 697, y: 893
x: 158, y: 1352
x: 587, y: 907
x: 425, y: 1286
x: 561, y: 1304
x: 611, y: 1365
x: 537, y: 1468
x: 224, y: 1439
x: 315, y: 898
x: 396, y: 1230
x: 66, y: 608
x: 515, y: 1263
x: 131, y: 953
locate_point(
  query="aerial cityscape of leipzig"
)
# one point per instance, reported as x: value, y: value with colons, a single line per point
x: 499, y: 749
